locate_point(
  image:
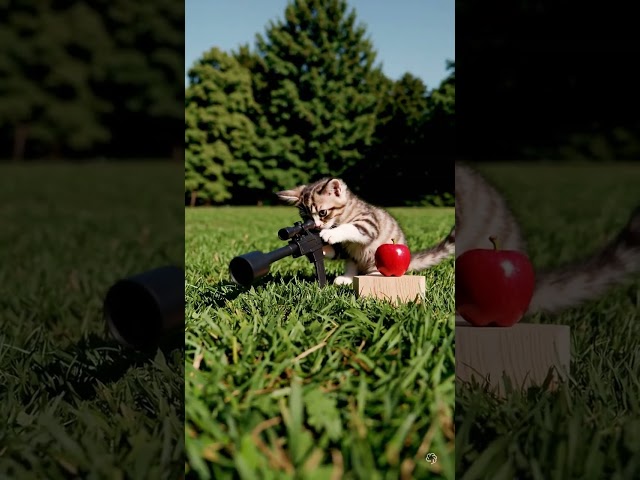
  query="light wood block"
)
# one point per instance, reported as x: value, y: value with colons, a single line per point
x: 408, y: 288
x: 524, y: 353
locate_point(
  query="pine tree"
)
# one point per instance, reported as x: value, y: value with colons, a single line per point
x: 220, y: 138
x: 264, y: 169
x: 442, y: 100
x: 83, y: 77
x: 47, y: 96
x: 439, y: 139
x: 317, y: 88
x: 144, y: 75
x: 388, y: 173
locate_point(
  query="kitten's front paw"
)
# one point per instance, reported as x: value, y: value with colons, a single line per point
x: 331, y: 236
x: 343, y: 280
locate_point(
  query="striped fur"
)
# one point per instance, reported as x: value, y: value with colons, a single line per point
x: 481, y: 211
x: 357, y: 226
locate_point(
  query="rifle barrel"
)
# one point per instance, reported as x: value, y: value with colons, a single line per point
x: 246, y: 268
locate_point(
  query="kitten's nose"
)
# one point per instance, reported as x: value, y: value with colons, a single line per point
x: 318, y: 225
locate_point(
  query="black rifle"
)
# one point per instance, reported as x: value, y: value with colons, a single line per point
x: 244, y: 269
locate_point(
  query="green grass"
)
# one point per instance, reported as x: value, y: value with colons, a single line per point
x: 288, y: 380
x: 74, y: 403
x: 590, y: 428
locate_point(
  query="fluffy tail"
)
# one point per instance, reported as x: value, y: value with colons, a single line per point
x: 575, y: 284
x: 433, y: 256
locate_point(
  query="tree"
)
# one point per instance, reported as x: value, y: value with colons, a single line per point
x: 442, y: 101
x: 47, y: 99
x: 410, y: 160
x: 316, y: 83
x: 220, y: 139
x: 81, y: 78
x: 265, y: 170
x: 388, y: 173
x: 439, y: 138
x: 143, y: 75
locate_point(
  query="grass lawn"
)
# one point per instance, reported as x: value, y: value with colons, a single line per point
x: 73, y: 401
x: 287, y: 380
x: 590, y: 428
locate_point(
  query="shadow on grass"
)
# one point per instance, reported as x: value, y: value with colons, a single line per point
x: 289, y: 278
x: 222, y: 292
x: 80, y: 368
x: 218, y: 294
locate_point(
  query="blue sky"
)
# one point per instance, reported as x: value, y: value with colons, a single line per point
x: 416, y: 36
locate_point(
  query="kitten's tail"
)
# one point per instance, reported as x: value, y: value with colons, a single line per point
x: 572, y: 285
x: 434, y: 255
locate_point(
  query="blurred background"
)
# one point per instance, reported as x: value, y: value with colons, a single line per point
x: 91, y: 189
x: 281, y: 93
x: 83, y: 80
x: 547, y: 109
x: 543, y: 80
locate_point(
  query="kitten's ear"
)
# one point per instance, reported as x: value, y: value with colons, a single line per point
x: 290, y: 196
x: 336, y: 187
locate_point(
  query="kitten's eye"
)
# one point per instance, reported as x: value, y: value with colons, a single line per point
x: 322, y: 213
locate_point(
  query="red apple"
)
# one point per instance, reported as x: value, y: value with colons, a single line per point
x: 392, y: 259
x: 493, y: 287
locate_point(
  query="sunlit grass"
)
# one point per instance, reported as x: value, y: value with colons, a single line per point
x: 288, y: 380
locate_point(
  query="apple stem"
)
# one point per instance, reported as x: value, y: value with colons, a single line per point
x: 393, y: 240
x: 494, y: 240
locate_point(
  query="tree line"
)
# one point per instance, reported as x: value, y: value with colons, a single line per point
x: 309, y: 99
x: 93, y: 78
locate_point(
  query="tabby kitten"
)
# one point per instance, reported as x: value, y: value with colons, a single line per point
x: 481, y: 211
x: 357, y: 226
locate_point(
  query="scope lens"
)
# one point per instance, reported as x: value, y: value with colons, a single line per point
x: 283, y: 233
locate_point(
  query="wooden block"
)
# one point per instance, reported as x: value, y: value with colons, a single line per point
x: 524, y: 353
x: 407, y: 288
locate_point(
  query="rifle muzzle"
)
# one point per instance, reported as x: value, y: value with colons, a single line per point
x: 246, y: 268
x: 144, y: 309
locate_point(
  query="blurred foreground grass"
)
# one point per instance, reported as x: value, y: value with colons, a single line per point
x: 73, y: 401
x: 590, y: 428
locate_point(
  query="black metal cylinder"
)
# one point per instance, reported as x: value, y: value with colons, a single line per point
x: 142, y: 309
x: 244, y: 269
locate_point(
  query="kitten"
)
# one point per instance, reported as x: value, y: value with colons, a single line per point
x: 481, y: 211
x: 357, y: 226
